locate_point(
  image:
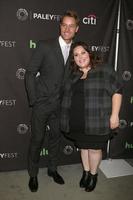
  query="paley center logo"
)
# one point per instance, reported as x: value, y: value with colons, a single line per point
x: 126, y: 75
x: 23, y: 128
x: 91, y: 19
x: 22, y: 15
x: 20, y: 73
x: 129, y: 24
x: 68, y: 150
x: 125, y: 124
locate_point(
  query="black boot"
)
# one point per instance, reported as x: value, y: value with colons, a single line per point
x: 92, y: 181
x: 84, y: 179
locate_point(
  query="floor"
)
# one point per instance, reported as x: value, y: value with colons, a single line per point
x: 13, y: 186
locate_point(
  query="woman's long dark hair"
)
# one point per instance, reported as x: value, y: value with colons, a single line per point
x: 94, y: 58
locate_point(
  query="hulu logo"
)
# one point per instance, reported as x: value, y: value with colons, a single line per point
x: 131, y: 100
x: 44, y: 152
x: 32, y: 45
x: 128, y: 146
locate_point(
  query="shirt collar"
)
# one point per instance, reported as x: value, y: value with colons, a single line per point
x: 63, y: 43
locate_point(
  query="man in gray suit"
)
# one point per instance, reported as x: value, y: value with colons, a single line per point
x: 44, y: 94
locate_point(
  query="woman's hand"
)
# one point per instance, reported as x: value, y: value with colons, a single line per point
x: 114, y: 121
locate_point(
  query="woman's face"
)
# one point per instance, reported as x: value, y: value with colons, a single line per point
x: 81, y: 57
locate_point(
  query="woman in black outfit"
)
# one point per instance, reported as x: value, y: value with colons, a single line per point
x: 90, y: 108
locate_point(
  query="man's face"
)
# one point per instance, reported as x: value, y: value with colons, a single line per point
x: 68, y: 28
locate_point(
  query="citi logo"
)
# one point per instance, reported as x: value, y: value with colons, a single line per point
x: 90, y: 19
x: 128, y: 146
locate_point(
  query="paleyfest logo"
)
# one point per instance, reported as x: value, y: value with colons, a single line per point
x: 22, y: 15
x: 8, y: 155
x: 46, y: 16
x: 103, y: 49
x: 7, y: 102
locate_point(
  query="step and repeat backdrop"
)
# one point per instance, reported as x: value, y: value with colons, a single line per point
x: 22, y: 24
x: 122, y: 145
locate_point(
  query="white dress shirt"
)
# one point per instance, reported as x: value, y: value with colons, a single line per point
x: 65, y: 48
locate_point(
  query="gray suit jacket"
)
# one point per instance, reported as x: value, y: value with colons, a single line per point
x: 48, y: 61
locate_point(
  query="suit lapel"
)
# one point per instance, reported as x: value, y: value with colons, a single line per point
x: 58, y: 52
